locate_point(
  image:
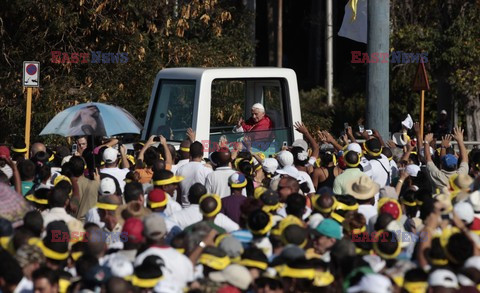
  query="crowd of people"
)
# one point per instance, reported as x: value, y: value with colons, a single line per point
x: 325, y: 214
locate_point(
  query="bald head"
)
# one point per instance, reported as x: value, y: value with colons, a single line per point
x: 325, y: 201
x: 185, y: 149
x: 208, y: 205
x: 37, y: 147
x: 224, y: 157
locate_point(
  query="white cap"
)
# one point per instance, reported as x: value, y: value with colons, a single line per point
x: 290, y: 171
x: 354, y: 147
x: 443, y: 278
x: 375, y: 262
x: 120, y: 266
x: 259, y: 107
x: 270, y: 165
x: 473, y: 262
x: 66, y: 159
x: 412, y: 170
x: 443, y: 112
x: 373, y: 283
x: 315, y: 220
x: 300, y: 143
x: 110, y: 155
x: 474, y: 200
x: 399, y: 139
x: 107, y: 186
x: 236, y: 275
x: 464, y: 210
x: 285, y: 158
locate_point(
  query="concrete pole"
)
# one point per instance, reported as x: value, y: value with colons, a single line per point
x: 329, y: 36
x: 378, y: 41
x: 280, y: 34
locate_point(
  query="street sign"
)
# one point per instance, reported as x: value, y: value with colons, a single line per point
x: 420, y: 83
x: 31, y: 73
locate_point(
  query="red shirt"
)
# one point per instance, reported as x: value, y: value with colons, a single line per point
x: 265, y: 124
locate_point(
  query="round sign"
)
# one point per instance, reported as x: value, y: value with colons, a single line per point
x: 31, y: 69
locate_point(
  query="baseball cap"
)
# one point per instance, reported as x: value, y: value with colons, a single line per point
x: 285, y: 158
x: 107, y: 186
x: 120, y: 266
x: 232, y: 246
x: 354, y: 147
x: 133, y: 227
x: 235, y: 274
x: 157, y: 198
x: 373, y: 283
x: 412, y: 170
x: 154, y: 227
x: 237, y: 180
x: 4, y: 152
x: 443, y: 112
x: 443, y: 278
x: 110, y: 155
x: 329, y: 228
x: 449, y: 161
x: 290, y: 171
x: 270, y: 165
x: 465, y: 211
x: 300, y: 143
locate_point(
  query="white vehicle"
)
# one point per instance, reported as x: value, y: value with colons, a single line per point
x: 211, y: 100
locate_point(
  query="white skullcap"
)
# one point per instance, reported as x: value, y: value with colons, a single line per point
x: 258, y: 106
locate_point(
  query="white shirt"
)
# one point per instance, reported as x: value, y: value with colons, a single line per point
x: 217, y: 181
x: 25, y: 286
x: 57, y: 214
x: 193, y: 172
x: 305, y: 177
x: 191, y: 215
x: 178, y: 268
x: 178, y: 165
x: 92, y: 216
x: 368, y: 211
x: 118, y: 173
x: 394, y: 168
x: 172, y: 206
x: 379, y: 175
x: 366, y: 167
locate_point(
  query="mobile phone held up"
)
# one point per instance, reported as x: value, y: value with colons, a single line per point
x: 74, y: 148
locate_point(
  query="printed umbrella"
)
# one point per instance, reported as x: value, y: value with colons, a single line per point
x: 92, y: 119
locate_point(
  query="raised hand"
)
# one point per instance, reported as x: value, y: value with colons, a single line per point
x: 428, y: 138
x: 300, y: 127
x: 446, y: 140
x: 191, y: 134
x: 458, y: 134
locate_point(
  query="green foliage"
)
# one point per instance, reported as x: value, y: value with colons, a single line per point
x: 155, y: 35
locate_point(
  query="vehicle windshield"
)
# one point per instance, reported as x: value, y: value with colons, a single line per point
x: 173, y: 109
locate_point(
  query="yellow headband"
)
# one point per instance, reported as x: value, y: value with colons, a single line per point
x: 107, y: 206
x: 385, y: 200
x: 217, y: 209
x: 439, y: 261
x: 32, y: 197
x: 60, y: 178
x: 259, y: 191
x: 323, y: 279
x: 173, y: 179
x: 286, y: 271
x: 265, y: 229
x: 354, y: 165
x: 269, y: 208
x: 160, y: 204
x: 253, y: 263
x: 63, y: 285
x: 24, y: 150
x: 370, y: 152
x: 51, y: 157
x: 214, y: 262
x: 407, y: 203
x: 239, y: 185
x: 341, y: 206
x: 145, y: 283
x: 337, y: 217
x: 415, y: 287
x: 319, y: 208
x: 185, y: 149
x: 382, y: 254
x: 361, y: 251
x: 358, y: 231
x: 51, y: 253
x: 219, y: 239
x: 76, y: 255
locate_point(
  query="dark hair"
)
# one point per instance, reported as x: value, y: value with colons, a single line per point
x: 460, y: 248
x: 296, y: 205
x: 33, y: 221
x: 47, y: 273
x: 10, y: 270
x: 409, y: 196
x: 21, y: 237
x: 43, y: 172
x: 150, y: 156
x: 196, y: 150
x: 67, y: 169
x: 85, y: 263
x: 132, y: 191
x: 436, y: 251
x: 26, y: 169
x: 427, y: 208
x: 195, y: 192
x: 65, y: 186
x: 296, y: 161
x: 326, y: 158
x: 416, y: 275
x: 387, y: 152
x: 77, y: 166
x: 58, y: 197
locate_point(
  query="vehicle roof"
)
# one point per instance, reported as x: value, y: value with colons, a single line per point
x: 225, y: 72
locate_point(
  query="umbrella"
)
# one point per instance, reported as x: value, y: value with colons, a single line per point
x: 92, y: 119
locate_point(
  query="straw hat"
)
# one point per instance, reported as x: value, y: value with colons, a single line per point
x: 362, y: 188
x: 132, y: 209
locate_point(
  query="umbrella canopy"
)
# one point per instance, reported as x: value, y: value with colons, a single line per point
x: 92, y: 119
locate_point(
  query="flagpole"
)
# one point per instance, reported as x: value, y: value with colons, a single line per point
x: 378, y: 41
x: 329, y: 50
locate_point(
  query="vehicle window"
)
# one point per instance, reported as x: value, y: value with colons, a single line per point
x: 173, y: 108
x: 271, y: 94
x: 228, y: 102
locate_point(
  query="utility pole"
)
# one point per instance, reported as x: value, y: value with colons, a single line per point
x: 329, y: 36
x: 378, y: 41
x: 280, y: 34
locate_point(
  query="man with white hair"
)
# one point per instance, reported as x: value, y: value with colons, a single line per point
x: 259, y: 123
